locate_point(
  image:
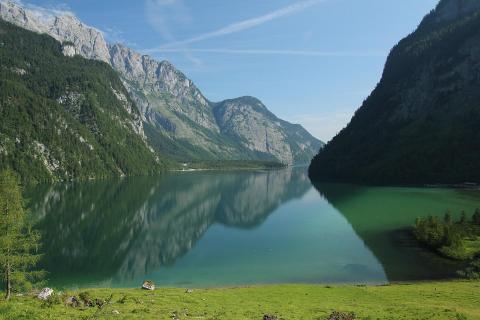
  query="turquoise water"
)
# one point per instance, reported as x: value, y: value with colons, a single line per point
x: 206, y: 228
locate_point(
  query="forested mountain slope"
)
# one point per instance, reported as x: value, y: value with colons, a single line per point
x: 420, y: 124
x: 65, y: 117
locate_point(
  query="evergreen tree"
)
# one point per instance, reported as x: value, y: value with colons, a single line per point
x: 463, y: 217
x: 18, y: 243
x: 448, y: 218
x: 476, y: 217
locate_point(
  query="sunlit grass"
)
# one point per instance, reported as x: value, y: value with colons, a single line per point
x: 441, y: 300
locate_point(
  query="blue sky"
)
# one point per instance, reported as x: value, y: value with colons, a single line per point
x: 311, y: 62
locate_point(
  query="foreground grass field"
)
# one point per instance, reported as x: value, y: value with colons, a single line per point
x: 439, y: 300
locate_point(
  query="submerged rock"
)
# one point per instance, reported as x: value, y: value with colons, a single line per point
x: 45, y: 293
x: 148, y: 285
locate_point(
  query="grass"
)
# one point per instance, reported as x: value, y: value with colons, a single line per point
x: 436, y: 300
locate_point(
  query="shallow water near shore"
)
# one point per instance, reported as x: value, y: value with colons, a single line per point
x: 207, y: 228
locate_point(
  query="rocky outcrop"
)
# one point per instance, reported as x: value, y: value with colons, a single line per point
x: 81, y: 39
x: 248, y: 121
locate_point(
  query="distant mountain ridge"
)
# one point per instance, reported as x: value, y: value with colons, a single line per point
x: 420, y: 124
x: 177, y: 119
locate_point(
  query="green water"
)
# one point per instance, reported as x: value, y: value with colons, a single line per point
x: 233, y: 228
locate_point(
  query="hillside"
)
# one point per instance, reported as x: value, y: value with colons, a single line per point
x: 65, y: 117
x: 178, y: 119
x: 420, y: 124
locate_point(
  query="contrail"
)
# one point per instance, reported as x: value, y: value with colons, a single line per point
x: 242, y: 25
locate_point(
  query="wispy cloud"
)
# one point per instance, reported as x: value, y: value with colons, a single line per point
x: 163, y: 14
x: 313, y: 53
x: 243, y: 25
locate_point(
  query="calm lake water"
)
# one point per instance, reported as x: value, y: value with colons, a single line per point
x: 207, y: 228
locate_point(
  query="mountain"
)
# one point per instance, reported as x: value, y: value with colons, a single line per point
x: 420, y: 124
x: 63, y: 117
x: 248, y: 121
x: 178, y: 119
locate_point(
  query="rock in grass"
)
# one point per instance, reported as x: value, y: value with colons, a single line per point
x: 148, y: 285
x: 116, y: 312
x: 72, y: 302
x: 45, y: 293
x: 189, y: 291
x: 270, y: 317
x: 336, y: 315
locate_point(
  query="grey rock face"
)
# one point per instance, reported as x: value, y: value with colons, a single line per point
x: 247, y: 120
x: 255, y: 127
x: 159, y: 87
x: 85, y: 41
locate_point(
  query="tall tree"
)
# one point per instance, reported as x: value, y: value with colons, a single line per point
x: 18, y: 243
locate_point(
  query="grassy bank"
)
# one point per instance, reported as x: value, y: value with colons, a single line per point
x: 439, y: 300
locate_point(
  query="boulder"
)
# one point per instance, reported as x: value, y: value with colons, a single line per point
x: 148, y: 285
x: 45, y: 293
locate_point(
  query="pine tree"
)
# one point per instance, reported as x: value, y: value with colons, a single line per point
x: 463, y: 217
x: 476, y: 217
x: 18, y: 243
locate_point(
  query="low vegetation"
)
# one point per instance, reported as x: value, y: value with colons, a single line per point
x: 458, y: 240
x: 445, y: 300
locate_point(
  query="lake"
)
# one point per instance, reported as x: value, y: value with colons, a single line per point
x: 206, y: 228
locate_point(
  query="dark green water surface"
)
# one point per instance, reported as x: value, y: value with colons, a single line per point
x: 207, y: 228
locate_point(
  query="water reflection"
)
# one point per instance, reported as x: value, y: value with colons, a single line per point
x: 131, y: 227
x: 382, y: 216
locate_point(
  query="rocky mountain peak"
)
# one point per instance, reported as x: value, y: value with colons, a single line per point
x: 87, y: 41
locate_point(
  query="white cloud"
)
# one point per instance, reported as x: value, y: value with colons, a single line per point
x: 242, y: 25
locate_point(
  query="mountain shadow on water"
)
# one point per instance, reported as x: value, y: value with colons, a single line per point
x: 382, y: 216
x: 129, y: 227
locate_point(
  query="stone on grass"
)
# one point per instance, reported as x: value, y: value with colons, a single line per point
x: 189, y: 291
x: 72, y: 302
x: 45, y: 293
x: 148, y: 285
x: 270, y: 317
x: 336, y: 315
x: 115, y: 312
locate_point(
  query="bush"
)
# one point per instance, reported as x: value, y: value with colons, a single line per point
x: 472, y: 272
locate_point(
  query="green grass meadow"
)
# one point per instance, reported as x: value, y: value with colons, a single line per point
x: 436, y: 300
